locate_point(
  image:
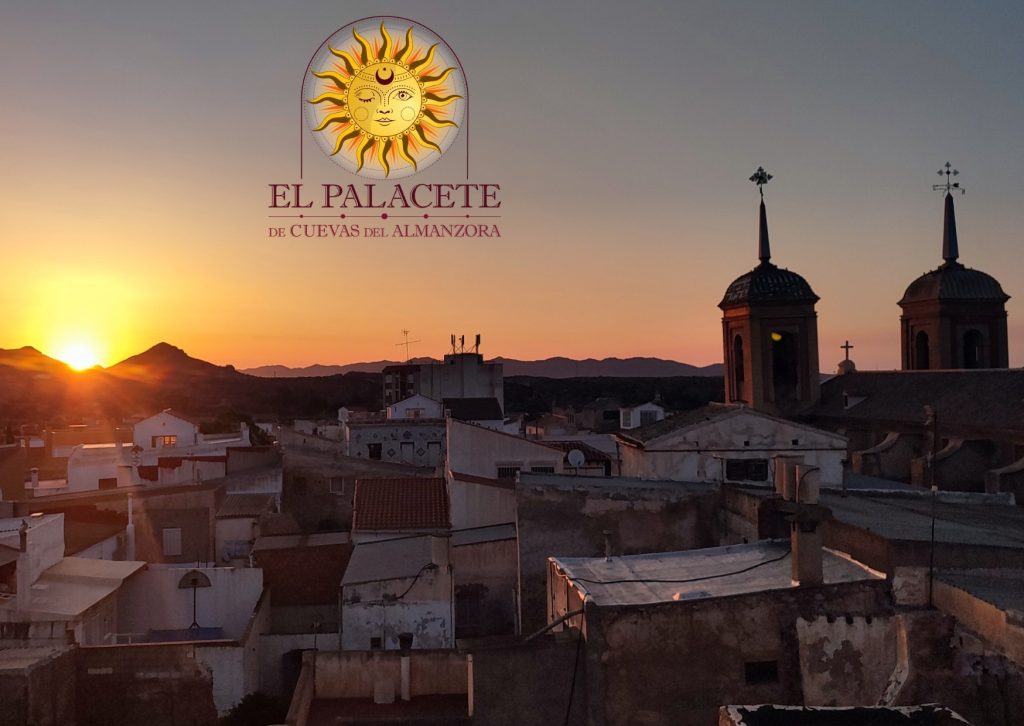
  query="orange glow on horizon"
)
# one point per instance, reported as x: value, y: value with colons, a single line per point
x: 78, y: 355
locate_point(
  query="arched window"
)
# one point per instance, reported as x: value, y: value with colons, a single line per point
x: 785, y: 364
x: 974, y: 351
x: 921, y: 359
x: 738, y: 372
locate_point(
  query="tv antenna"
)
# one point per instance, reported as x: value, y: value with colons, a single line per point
x: 407, y: 343
x: 949, y: 172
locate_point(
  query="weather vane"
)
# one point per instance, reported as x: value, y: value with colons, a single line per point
x: 949, y: 172
x: 761, y: 177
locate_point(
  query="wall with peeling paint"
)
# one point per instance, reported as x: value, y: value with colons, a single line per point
x: 676, y: 663
x: 370, y: 610
x: 846, y: 661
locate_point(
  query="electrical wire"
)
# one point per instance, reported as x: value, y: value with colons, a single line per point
x: 428, y: 566
x: 575, y: 670
x: 683, y: 582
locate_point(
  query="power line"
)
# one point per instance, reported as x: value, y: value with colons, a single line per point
x: 682, y: 582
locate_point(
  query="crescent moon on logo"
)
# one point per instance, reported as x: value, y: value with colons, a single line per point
x: 384, y: 81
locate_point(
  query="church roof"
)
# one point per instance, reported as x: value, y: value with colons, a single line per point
x: 951, y: 280
x: 989, y: 400
x: 767, y: 283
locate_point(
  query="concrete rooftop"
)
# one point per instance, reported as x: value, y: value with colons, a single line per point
x: 656, y: 578
x: 389, y: 559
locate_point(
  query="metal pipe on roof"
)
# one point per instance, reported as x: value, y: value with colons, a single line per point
x: 553, y: 623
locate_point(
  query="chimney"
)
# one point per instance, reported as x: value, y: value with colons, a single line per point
x: 805, y: 527
x: 23, y: 536
x: 785, y: 476
x: 607, y: 545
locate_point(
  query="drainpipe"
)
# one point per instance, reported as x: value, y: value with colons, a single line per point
x: 129, y: 531
x: 339, y: 617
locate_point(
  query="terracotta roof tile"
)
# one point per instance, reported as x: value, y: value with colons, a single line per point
x: 401, y: 504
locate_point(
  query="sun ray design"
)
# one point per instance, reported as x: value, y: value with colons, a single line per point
x: 385, y: 104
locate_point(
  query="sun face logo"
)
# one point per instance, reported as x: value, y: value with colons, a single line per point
x: 381, y: 108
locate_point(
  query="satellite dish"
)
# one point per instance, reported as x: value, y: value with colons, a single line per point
x: 576, y: 458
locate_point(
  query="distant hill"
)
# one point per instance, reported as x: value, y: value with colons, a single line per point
x: 558, y: 367
x: 37, y: 389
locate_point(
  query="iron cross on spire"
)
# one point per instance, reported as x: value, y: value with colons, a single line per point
x: 847, y: 347
x: 949, y: 172
x: 761, y: 177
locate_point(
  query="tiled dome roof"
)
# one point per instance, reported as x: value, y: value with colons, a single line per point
x: 767, y: 283
x: 953, y: 281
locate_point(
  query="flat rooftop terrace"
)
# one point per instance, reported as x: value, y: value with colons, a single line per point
x: 699, y: 574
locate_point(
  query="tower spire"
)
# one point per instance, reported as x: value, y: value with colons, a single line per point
x: 764, y: 252
x: 950, y: 247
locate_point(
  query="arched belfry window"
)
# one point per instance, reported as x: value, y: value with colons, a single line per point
x: 921, y: 359
x: 738, y: 371
x: 974, y: 353
x: 785, y: 364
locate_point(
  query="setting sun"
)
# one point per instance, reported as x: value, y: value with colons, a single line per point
x: 78, y: 355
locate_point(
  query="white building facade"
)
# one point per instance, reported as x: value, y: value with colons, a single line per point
x: 728, y: 444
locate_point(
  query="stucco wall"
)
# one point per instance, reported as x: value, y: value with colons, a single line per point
x: 402, y: 441
x: 557, y: 522
x: 846, y: 661
x: 45, y: 541
x: 481, y: 505
x: 152, y: 600
x: 42, y: 694
x: 675, y: 663
x: 485, y: 576
x: 370, y: 610
x: 696, y: 454
x: 164, y: 424
x: 529, y: 684
x: 272, y: 651
x: 353, y: 674
x: 480, y: 451
x: 155, y: 685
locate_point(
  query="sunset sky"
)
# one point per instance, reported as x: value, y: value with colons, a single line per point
x: 138, y: 141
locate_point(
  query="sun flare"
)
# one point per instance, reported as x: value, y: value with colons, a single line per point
x: 384, y: 102
x: 78, y: 355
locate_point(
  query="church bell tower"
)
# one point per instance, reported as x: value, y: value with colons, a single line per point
x: 953, y: 317
x: 770, y: 333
